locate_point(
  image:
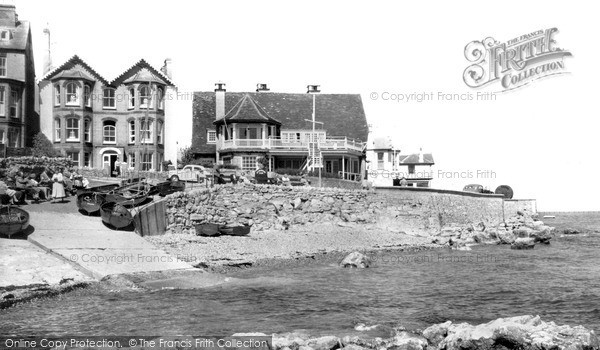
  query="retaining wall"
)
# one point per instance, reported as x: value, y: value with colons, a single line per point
x: 412, y: 210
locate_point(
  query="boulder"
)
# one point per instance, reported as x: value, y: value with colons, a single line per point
x: 543, y: 234
x: 407, y: 341
x: 356, y: 259
x: 570, y: 231
x: 520, y: 332
x: 505, y: 237
x: 523, y: 243
x: 324, y: 343
x: 523, y: 232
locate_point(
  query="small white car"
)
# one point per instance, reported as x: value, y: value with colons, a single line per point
x: 191, y: 173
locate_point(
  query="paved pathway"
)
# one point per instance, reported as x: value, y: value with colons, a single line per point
x: 23, y: 264
x: 92, y: 247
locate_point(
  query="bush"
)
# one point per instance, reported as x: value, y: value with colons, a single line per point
x: 9, y: 166
x: 42, y: 147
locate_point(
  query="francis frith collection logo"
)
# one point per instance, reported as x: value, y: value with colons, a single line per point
x: 514, y: 63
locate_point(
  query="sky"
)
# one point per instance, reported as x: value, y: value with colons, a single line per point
x: 539, y: 139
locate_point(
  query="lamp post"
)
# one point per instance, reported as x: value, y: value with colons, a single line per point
x: 314, y: 90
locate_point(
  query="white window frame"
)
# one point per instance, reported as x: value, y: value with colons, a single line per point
x: 208, y: 136
x: 146, y: 163
x: 56, y: 95
x: 57, y: 130
x: 147, y: 131
x: 160, y: 132
x: 147, y: 96
x: 87, y: 159
x: 14, y: 104
x: 131, y: 130
x: 3, y: 70
x: 110, y: 99
x: 131, y: 160
x: 75, y: 129
x: 87, y: 95
x: 75, y: 159
x: 105, y: 128
x: 87, y: 130
x: 161, y: 98
x: 249, y: 163
x: 131, y: 97
x: 75, y: 94
x: 13, y: 141
x: 2, y: 101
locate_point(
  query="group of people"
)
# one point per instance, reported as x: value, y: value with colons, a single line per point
x: 44, y: 186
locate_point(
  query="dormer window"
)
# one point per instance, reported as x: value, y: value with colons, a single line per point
x: 72, y: 95
x: 5, y: 35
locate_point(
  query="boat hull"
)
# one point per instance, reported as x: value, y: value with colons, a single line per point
x: 115, y: 215
x: 13, y: 220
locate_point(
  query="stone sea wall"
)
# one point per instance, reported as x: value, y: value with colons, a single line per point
x: 276, y: 207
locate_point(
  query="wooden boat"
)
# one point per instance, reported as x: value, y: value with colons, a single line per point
x: 234, y: 230
x: 99, y: 189
x: 130, y: 195
x: 115, y: 215
x: 90, y: 200
x: 13, y: 220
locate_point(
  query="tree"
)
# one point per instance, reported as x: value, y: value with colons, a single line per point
x: 42, y: 147
x: 187, y: 157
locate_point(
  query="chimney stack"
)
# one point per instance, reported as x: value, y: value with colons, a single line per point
x: 262, y: 87
x: 167, y: 68
x: 219, y: 100
x: 8, y: 15
x: 312, y: 89
x: 48, y: 56
x: 421, y: 155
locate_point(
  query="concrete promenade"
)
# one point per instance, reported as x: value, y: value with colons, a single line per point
x: 62, y: 244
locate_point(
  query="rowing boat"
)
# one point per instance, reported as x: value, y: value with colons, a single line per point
x: 13, y: 220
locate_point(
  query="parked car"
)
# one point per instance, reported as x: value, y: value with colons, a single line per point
x: 190, y: 173
x: 477, y: 189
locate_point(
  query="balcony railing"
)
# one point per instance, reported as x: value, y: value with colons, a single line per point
x: 275, y: 143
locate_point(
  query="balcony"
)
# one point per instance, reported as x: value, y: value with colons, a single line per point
x: 277, y: 144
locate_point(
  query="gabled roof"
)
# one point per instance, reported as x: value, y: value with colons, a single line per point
x: 247, y: 110
x: 414, y: 159
x: 69, y: 70
x: 20, y: 36
x: 341, y: 114
x: 141, y: 72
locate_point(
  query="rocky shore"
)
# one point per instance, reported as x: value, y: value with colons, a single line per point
x: 519, y: 332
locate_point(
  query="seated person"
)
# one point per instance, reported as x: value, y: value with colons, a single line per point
x: 9, y: 196
x: 22, y: 184
x: 41, y: 190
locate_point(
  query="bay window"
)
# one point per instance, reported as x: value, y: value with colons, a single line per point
x: 72, y: 96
